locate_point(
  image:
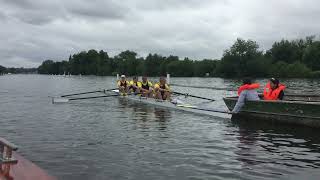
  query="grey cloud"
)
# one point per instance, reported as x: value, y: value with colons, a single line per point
x: 44, y: 12
x: 20, y: 3
x: 152, y: 5
x: 34, y: 18
x: 31, y: 12
x: 98, y: 9
x: 3, y: 16
x: 34, y: 30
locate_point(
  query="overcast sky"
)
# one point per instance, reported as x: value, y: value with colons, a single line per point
x: 35, y: 30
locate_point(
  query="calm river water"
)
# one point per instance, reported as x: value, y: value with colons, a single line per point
x: 114, y: 139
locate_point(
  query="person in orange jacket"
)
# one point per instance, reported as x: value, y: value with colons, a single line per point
x: 274, y: 90
x: 246, y: 92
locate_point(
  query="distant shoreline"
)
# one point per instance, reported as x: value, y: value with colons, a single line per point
x: 286, y: 59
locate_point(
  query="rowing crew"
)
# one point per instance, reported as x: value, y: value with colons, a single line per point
x: 145, y: 88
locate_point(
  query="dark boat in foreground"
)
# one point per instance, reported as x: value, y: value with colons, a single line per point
x: 15, y: 167
x: 293, y: 109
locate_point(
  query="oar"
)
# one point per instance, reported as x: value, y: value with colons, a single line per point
x: 186, y: 94
x: 204, y: 109
x: 65, y: 100
x: 204, y: 87
x: 290, y: 89
x: 89, y: 92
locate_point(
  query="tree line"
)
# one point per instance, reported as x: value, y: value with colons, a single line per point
x: 4, y: 70
x: 293, y: 59
x: 127, y: 62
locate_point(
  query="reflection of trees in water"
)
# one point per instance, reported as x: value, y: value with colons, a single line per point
x: 276, y: 144
x: 142, y: 114
x: 123, y: 101
x: 163, y: 116
x: 246, y: 148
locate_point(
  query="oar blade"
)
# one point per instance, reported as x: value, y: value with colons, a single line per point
x: 59, y: 100
x: 115, y: 90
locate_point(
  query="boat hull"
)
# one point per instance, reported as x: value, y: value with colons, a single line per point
x: 169, y: 105
x: 290, y: 112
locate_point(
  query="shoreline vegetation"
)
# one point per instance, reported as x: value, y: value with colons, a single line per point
x: 12, y: 70
x: 298, y: 58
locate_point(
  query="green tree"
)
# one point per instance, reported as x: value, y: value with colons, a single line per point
x: 289, y: 51
x: 46, y: 67
x: 204, y: 66
x: 127, y: 62
x: 311, y: 56
x: 152, y: 65
x: 297, y: 69
x: 234, y: 62
x: 2, y: 70
x: 279, y: 69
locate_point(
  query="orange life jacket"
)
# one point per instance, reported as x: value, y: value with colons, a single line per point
x: 269, y: 94
x: 248, y: 87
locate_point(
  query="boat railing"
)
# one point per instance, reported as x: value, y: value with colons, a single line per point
x: 6, y: 150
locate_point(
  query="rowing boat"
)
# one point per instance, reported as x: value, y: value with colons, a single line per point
x: 299, y: 110
x: 174, y: 105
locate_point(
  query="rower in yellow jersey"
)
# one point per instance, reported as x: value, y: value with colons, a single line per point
x: 135, y: 85
x: 162, y: 89
x: 146, y: 87
x: 123, y: 85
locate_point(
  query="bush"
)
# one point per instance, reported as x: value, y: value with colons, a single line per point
x: 279, y: 69
x: 297, y: 69
x: 315, y: 74
x: 311, y: 56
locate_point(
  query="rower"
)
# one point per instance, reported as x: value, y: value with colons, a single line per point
x: 135, y: 85
x: 123, y: 85
x: 146, y: 87
x: 274, y: 90
x: 162, y: 89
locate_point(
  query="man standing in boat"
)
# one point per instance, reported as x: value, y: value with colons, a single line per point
x: 162, y: 89
x: 135, y: 85
x: 274, y: 90
x: 123, y: 85
x: 146, y: 87
x: 246, y: 92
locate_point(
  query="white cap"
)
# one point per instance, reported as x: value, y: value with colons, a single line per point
x: 123, y: 76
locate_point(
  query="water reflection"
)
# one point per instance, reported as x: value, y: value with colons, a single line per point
x: 162, y: 116
x: 144, y: 114
x: 271, y: 149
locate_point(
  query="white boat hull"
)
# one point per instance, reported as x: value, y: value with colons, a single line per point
x: 169, y: 105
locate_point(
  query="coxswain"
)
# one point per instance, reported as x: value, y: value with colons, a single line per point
x: 246, y: 92
x: 274, y: 90
x: 162, y: 89
x: 135, y: 85
x: 146, y: 87
x: 123, y: 85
